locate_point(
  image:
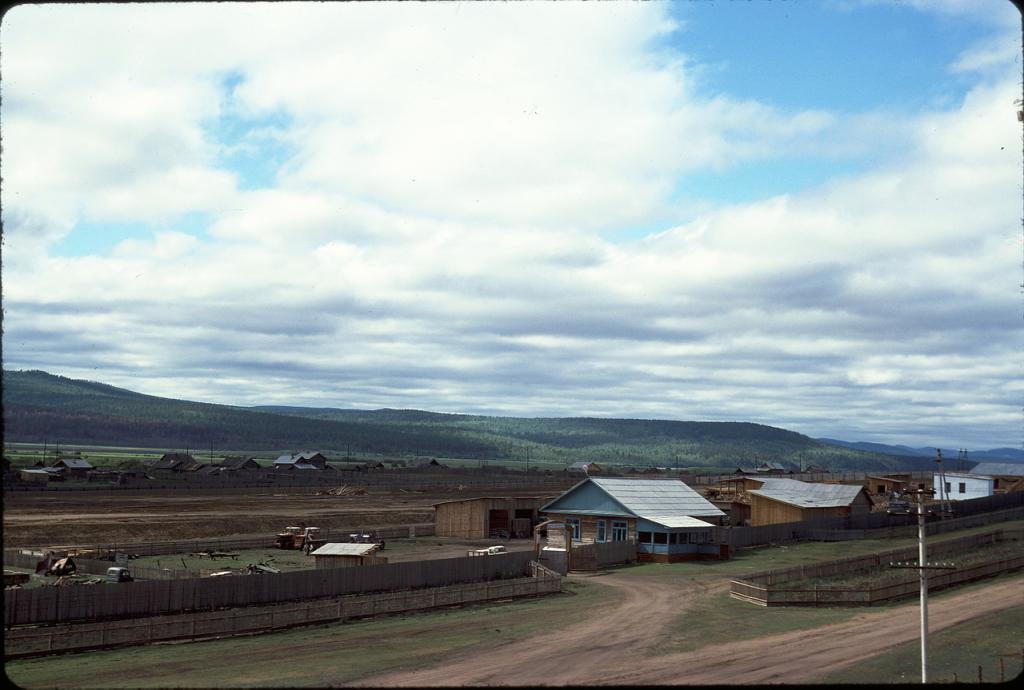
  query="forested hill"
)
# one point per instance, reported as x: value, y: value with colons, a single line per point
x: 38, y: 406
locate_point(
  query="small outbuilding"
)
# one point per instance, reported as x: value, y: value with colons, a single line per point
x: 337, y: 555
x: 789, y: 500
x: 488, y: 517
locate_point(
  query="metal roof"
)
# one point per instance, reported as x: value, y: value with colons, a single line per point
x: 676, y: 521
x: 75, y: 463
x: 999, y: 469
x: 808, y: 494
x: 657, y: 499
x: 336, y: 549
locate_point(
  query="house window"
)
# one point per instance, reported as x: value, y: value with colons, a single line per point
x: 881, y: 489
x: 601, y: 530
x: 574, y: 524
x: 920, y: 486
x: 660, y: 538
x: 619, y: 530
x: 644, y: 537
x: 963, y: 487
x: 672, y: 538
x: 947, y: 488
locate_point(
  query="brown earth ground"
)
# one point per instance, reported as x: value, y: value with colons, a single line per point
x: 612, y: 646
x: 51, y: 518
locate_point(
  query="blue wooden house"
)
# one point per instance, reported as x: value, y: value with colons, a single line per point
x: 667, y: 519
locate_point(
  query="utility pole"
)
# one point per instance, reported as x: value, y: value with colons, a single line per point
x: 922, y: 566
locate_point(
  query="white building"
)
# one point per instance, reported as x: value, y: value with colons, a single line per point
x: 961, y: 487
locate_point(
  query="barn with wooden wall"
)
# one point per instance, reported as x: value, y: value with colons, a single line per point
x: 488, y: 517
x: 790, y: 500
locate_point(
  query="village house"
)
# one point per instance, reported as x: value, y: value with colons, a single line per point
x: 176, y: 462
x: 239, y: 463
x: 959, y: 486
x: 74, y: 467
x: 583, y: 469
x: 780, y: 500
x: 304, y: 460
x: 667, y: 519
x: 1007, y: 477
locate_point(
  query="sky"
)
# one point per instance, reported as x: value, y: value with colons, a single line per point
x: 794, y: 213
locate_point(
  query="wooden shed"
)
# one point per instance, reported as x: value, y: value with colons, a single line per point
x: 488, y: 517
x: 790, y: 500
x: 883, y: 486
x: 336, y: 555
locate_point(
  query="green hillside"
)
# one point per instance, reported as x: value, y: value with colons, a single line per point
x: 38, y: 406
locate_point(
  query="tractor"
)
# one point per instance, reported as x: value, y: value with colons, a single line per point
x: 302, y: 538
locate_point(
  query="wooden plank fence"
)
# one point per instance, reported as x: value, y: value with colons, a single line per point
x: 594, y: 556
x: 132, y: 599
x: 79, y: 636
x: 976, y: 512
x: 767, y: 588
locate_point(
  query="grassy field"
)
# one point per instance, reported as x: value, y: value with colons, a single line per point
x: 953, y: 655
x: 342, y: 652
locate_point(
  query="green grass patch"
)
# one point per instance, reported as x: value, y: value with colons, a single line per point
x: 953, y: 654
x: 318, y: 656
x: 718, y: 619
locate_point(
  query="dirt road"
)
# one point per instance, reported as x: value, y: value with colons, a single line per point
x: 611, y: 647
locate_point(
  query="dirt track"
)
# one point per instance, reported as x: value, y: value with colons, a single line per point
x: 611, y: 647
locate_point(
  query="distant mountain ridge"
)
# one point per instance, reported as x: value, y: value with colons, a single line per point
x: 38, y: 406
x: 993, y: 454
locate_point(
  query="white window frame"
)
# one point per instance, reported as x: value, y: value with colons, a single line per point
x: 602, y: 530
x: 620, y: 528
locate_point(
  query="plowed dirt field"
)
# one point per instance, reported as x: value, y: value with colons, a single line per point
x: 51, y: 518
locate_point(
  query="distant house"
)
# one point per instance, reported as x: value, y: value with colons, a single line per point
x: 334, y: 555
x: 957, y: 486
x: 74, y: 467
x: 427, y: 463
x: 238, y: 463
x: 668, y: 520
x: 583, y: 469
x: 1007, y: 477
x: 303, y: 460
x: 175, y: 462
x: 882, y: 486
x: 771, y: 468
x: 781, y: 500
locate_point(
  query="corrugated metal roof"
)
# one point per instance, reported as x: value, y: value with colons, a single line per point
x: 999, y: 469
x: 336, y: 549
x: 677, y: 521
x: 808, y: 494
x: 657, y: 497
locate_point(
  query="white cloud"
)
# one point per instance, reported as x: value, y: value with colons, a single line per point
x: 432, y: 244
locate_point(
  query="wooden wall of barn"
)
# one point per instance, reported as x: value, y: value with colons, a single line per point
x: 470, y: 519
